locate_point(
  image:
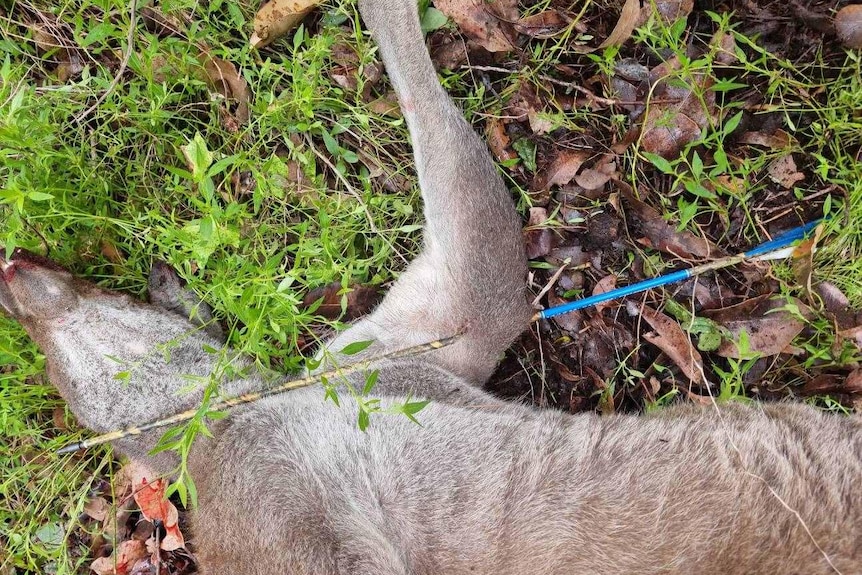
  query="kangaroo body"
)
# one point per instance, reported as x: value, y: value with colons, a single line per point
x: 290, y: 485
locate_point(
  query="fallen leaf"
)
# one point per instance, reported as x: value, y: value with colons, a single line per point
x: 223, y: 78
x: 155, y: 507
x: 97, y: 508
x: 679, y: 115
x: 853, y: 334
x: 538, y: 238
x: 127, y: 554
x: 346, y: 69
x: 569, y: 321
x: 543, y: 25
x: 448, y: 50
x: 769, y: 328
x: 782, y: 170
x: 828, y: 383
x: 111, y: 253
x: 663, y: 236
x: 527, y: 105
x: 668, y: 10
x: 563, y: 168
x: 603, y: 229
x: 592, y: 179
x: 164, y: 25
x: 778, y: 140
x: 848, y: 26
x: 58, y: 417
x: 53, y: 37
x: 487, y: 24
x: 803, y: 259
x: 360, y: 300
x: 836, y: 303
x: 667, y: 130
x: 629, y: 16
x: 498, y: 140
x: 726, y: 48
x: 605, y: 285
x: 278, y: 17
x: 674, y: 342
x: 386, y: 105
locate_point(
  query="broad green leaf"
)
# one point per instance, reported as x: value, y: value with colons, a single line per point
x: 356, y: 347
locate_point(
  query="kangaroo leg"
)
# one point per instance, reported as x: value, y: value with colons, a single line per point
x: 470, y: 274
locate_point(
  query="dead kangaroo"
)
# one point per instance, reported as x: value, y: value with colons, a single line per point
x: 290, y: 485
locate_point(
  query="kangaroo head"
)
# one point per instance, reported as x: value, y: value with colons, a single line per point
x: 34, y: 289
x: 116, y: 360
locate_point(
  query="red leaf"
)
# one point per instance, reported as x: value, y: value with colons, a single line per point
x: 128, y: 553
x: 155, y: 506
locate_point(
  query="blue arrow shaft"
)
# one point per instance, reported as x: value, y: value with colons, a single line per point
x: 780, y: 241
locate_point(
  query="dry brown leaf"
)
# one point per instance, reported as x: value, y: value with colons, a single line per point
x: 592, y: 179
x: 448, y: 50
x: 386, y: 105
x: 853, y: 334
x: 58, y: 417
x: 803, y: 258
x: 848, y: 26
x: 729, y: 183
x: 778, y: 140
x: 625, y: 25
x: 164, y: 25
x: 563, y: 168
x: 663, y: 236
x: 345, y: 71
x: 97, y: 508
x: 783, y: 171
x: 837, y: 304
x: 543, y: 25
x: 674, y: 342
x: 678, y: 116
x: 486, y: 23
x: 278, y: 17
x: 360, y: 300
x: 527, y: 105
x: 726, y: 45
x: 127, y: 554
x: 668, y: 10
x: 223, y: 78
x: 570, y: 321
x: 605, y: 285
x: 668, y: 130
x: 111, y: 253
x: 829, y: 383
x: 770, y: 329
x: 538, y: 238
x: 52, y: 37
x: 498, y: 140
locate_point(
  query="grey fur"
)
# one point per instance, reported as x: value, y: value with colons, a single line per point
x: 290, y: 485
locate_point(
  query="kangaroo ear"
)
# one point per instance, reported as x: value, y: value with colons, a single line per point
x: 166, y: 291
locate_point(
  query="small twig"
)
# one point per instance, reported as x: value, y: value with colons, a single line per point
x: 124, y: 63
x: 251, y: 397
x: 551, y: 282
x: 588, y: 93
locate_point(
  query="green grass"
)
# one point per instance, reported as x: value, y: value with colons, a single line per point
x: 108, y: 195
